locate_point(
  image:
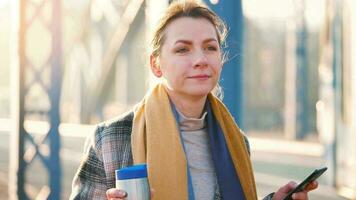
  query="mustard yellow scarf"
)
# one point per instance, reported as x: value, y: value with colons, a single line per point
x: 156, y: 141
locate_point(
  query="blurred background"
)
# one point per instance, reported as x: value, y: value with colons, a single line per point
x: 290, y: 82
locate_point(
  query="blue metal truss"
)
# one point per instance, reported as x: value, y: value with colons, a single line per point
x: 26, y: 154
x: 302, y: 127
x: 232, y: 76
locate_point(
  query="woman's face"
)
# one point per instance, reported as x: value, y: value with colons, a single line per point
x: 190, y: 60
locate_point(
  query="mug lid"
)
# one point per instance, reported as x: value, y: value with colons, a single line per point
x: 135, y: 171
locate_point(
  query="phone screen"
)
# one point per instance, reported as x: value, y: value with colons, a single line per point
x: 313, y: 176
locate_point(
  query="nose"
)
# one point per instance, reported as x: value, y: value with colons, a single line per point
x: 200, y: 59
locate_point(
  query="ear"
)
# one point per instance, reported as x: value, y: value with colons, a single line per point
x: 156, y: 70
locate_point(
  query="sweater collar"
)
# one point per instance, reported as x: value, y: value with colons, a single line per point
x: 191, y: 124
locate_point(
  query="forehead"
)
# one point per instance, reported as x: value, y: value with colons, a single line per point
x: 189, y: 28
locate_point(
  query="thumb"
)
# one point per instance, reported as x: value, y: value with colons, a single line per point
x: 288, y: 187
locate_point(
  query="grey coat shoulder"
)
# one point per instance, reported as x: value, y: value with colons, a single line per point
x: 119, y: 124
x: 124, y: 119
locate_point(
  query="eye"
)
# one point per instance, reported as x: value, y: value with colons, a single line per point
x: 211, y: 48
x: 182, y: 50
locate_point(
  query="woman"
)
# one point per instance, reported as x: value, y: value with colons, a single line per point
x: 193, y: 148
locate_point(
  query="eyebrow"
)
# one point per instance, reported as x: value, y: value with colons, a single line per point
x: 190, y: 42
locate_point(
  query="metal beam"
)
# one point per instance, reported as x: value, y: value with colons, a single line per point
x: 232, y: 76
x: 19, y: 162
x: 114, y: 46
x: 302, y: 73
x: 17, y: 165
x: 337, y: 68
x: 54, y: 168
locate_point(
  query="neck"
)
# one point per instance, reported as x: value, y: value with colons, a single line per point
x: 191, y: 107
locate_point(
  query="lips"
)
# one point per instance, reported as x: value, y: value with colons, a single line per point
x: 200, y: 76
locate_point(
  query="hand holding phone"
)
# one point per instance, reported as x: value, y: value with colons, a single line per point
x: 312, y: 177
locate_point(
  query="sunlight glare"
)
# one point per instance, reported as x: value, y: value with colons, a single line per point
x: 214, y: 2
x: 268, y: 9
x: 315, y: 12
x: 3, y: 3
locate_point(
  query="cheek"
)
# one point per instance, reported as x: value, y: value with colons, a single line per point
x: 173, y: 73
x: 180, y: 68
x: 217, y: 67
x: 216, y: 63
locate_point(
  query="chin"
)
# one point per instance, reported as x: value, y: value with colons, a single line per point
x: 199, y: 91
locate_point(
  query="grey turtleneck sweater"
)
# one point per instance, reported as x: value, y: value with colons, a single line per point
x: 200, y: 163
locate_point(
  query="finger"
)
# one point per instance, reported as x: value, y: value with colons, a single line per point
x: 152, y: 191
x: 311, y: 186
x: 115, y: 193
x: 300, y: 196
x: 123, y: 198
x: 289, y: 186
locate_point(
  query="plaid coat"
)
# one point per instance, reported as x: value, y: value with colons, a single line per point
x: 108, y: 149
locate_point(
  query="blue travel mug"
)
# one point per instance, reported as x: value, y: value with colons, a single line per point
x: 134, y: 181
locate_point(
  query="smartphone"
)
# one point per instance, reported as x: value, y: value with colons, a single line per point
x: 312, y: 177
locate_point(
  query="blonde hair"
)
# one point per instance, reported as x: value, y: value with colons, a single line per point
x: 188, y: 8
